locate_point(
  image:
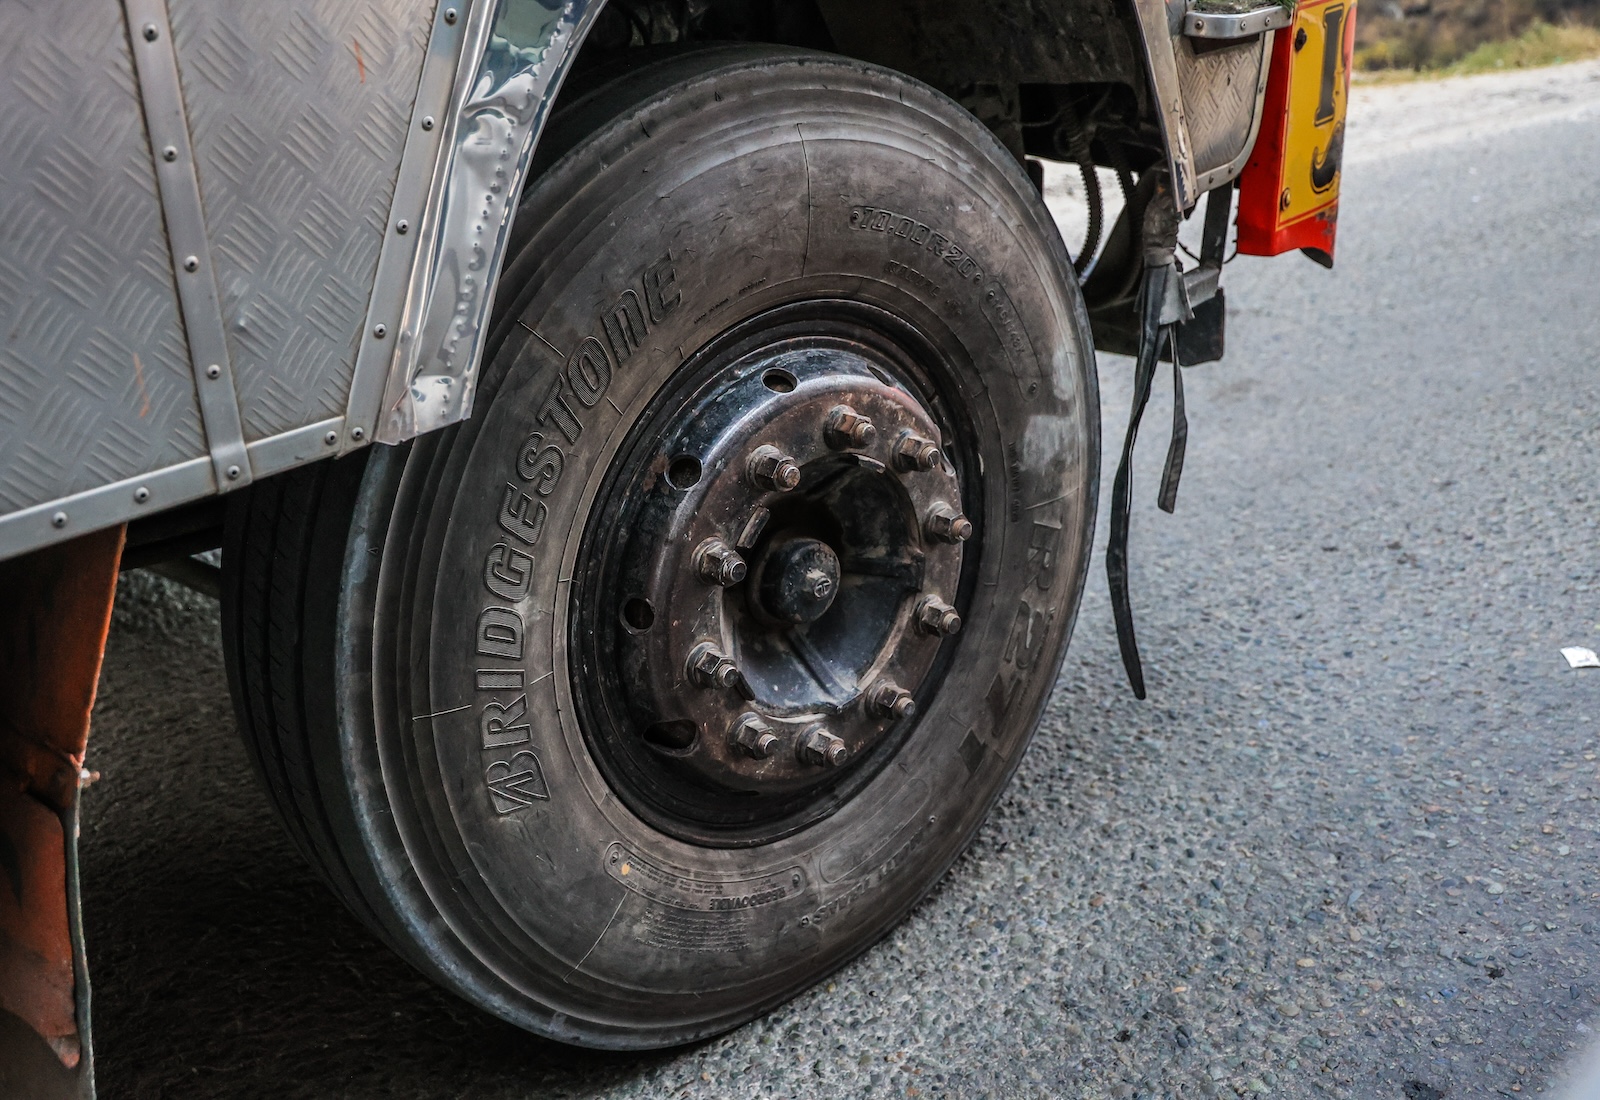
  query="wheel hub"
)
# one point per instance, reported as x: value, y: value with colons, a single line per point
x: 792, y: 539
x: 797, y: 581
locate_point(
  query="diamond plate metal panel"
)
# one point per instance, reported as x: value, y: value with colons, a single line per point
x: 299, y: 112
x: 1219, y: 98
x: 95, y: 380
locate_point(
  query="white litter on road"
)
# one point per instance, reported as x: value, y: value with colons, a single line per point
x: 1579, y: 657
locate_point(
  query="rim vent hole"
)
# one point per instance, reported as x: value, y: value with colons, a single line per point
x: 675, y: 736
x: 637, y: 614
x: 779, y: 381
x: 684, y: 472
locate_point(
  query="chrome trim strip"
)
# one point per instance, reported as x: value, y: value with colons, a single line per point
x: 413, y: 192
x: 93, y: 509
x: 287, y: 450
x: 161, y: 95
x: 1222, y: 174
x: 1205, y: 24
x: 1157, y: 29
x: 119, y: 502
x: 520, y: 49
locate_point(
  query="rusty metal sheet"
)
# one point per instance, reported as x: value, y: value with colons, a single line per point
x: 55, y: 610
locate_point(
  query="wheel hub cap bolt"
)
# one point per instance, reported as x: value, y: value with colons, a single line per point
x: 948, y: 525
x: 847, y: 428
x: 710, y: 667
x: 770, y: 468
x: 818, y: 746
x: 912, y: 452
x: 718, y: 563
x: 934, y: 616
x: 889, y: 700
x: 755, y: 737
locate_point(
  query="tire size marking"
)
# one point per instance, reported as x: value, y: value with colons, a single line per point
x: 513, y: 776
x: 699, y: 893
x: 874, y: 220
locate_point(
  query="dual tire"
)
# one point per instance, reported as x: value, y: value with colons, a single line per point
x: 415, y: 634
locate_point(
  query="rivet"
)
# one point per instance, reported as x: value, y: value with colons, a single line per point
x: 427, y: 122
x: 233, y: 473
x: 450, y: 16
x: 191, y: 263
x: 358, y: 433
x: 151, y: 33
x: 402, y: 226
x: 170, y: 153
x: 213, y: 371
x: 331, y: 438
x: 140, y: 495
x: 58, y: 520
x: 380, y: 331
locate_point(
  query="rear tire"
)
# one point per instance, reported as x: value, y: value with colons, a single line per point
x: 460, y: 664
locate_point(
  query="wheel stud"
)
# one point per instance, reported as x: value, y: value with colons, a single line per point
x: 818, y: 746
x: 719, y: 564
x: 912, y: 452
x: 847, y: 428
x: 948, y: 525
x: 770, y: 468
x: 934, y: 616
x: 754, y: 737
x: 888, y: 699
x: 710, y: 667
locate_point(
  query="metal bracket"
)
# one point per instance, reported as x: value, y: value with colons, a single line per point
x: 514, y: 55
x: 1157, y: 31
x: 1242, y: 24
x: 166, y: 121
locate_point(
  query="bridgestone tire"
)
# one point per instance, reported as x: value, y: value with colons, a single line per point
x: 429, y: 759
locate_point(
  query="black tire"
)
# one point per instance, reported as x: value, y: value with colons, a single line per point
x: 735, y: 187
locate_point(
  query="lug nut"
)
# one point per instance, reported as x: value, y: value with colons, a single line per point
x: 948, y: 525
x: 770, y: 468
x: 818, y: 746
x: 710, y: 667
x: 754, y: 737
x: 888, y: 699
x: 847, y: 428
x: 934, y: 616
x: 912, y: 452
x: 718, y: 563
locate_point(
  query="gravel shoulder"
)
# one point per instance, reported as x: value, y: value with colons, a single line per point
x: 1349, y: 847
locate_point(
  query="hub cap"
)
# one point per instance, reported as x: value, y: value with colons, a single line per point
x: 786, y: 548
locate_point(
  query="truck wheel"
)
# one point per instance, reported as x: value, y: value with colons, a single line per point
x: 673, y: 678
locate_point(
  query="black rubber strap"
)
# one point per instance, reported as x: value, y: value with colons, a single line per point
x: 1151, y: 334
x: 1180, y: 431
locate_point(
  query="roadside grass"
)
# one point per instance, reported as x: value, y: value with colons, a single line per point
x: 1539, y: 45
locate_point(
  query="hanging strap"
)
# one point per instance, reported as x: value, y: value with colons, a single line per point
x: 1151, y: 335
x: 1180, y: 431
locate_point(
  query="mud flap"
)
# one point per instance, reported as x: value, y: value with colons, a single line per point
x: 55, y: 610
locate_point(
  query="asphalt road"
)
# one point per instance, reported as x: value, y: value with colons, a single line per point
x: 1348, y: 847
